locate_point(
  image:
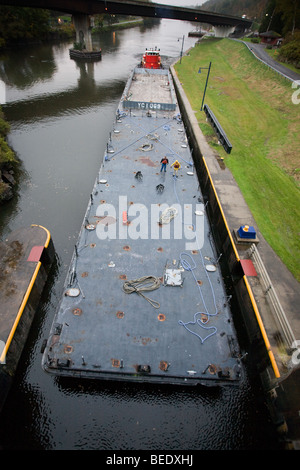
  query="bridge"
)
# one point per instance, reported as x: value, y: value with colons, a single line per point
x: 83, y: 9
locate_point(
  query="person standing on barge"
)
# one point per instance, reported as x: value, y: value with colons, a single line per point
x: 164, y: 162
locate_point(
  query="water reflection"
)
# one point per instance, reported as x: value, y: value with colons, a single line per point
x: 85, y: 95
x: 23, y: 71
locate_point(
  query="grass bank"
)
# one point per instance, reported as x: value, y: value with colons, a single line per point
x: 121, y: 25
x: 255, y: 108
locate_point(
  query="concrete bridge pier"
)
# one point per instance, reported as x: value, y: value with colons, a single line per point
x: 223, y: 31
x: 83, y: 28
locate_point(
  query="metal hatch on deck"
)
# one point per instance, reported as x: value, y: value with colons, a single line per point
x: 173, y: 274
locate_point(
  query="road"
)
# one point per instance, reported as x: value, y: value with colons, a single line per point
x: 259, y: 51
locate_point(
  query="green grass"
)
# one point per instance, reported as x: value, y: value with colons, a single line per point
x: 254, y: 107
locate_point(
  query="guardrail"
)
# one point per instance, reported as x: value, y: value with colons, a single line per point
x: 272, y: 297
x: 218, y: 129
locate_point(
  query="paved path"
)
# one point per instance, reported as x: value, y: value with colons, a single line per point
x: 259, y: 50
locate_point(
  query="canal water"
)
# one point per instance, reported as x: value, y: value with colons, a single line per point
x: 61, y: 113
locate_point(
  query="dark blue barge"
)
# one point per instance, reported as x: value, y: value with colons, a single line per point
x: 144, y: 299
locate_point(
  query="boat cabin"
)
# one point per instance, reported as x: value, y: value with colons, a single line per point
x: 151, y: 59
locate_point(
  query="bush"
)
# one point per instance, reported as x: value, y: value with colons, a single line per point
x: 290, y: 50
x: 5, y: 191
x: 6, y: 153
x: 78, y: 46
x: 4, y: 126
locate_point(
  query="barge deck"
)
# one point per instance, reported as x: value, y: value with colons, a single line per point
x: 144, y: 299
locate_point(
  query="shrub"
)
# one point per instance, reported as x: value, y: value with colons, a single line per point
x: 4, y: 126
x: 78, y: 46
x: 6, y: 153
x: 290, y: 50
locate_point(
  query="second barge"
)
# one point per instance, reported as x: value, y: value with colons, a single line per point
x: 26, y: 256
x: 144, y: 299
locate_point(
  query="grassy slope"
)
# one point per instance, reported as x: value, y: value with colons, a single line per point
x: 255, y: 109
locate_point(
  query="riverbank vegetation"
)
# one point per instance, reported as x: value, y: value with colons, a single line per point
x: 289, y: 53
x: 256, y: 109
x: 24, y: 25
x: 105, y: 22
x: 8, y: 161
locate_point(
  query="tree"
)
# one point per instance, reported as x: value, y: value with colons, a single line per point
x: 290, y: 11
x: 18, y: 24
x: 272, y: 20
x: 281, y: 16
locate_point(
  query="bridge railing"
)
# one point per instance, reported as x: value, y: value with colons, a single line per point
x: 218, y: 129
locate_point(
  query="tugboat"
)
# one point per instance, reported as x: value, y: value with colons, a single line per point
x: 151, y: 59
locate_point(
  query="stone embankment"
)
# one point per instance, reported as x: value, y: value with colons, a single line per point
x: 7, y: 183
